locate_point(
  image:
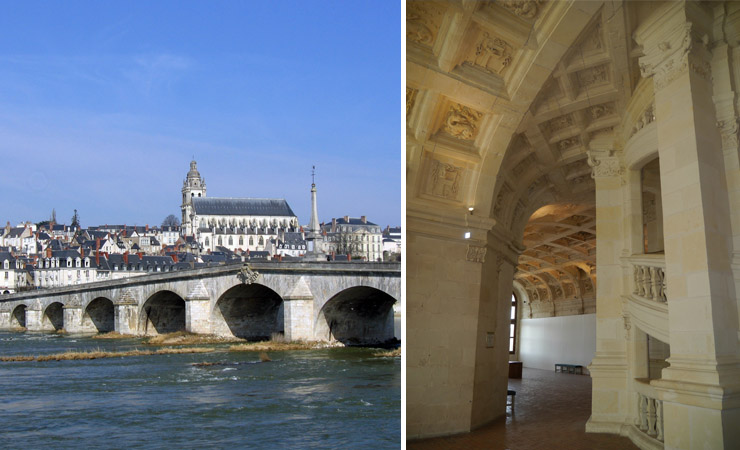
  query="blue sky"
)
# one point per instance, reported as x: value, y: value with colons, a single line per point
x: 104, y: 104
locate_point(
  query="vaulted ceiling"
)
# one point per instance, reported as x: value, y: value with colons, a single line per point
x: 504, y: 100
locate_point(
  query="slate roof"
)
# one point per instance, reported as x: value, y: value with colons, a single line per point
x: 242, y: 207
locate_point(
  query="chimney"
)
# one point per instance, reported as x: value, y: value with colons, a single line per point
x: 334, y: 225
x: 147, y: 228
x: 48, y: 251
x: 174, y: 258
x: 363, y: 219
x: 125, y: 258
x: 140, y: 254
x: 82, y: 252
x: 346, y: 219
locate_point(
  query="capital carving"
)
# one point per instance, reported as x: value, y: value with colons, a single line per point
x: 728, y: 129
x: 476, y: 254
x: 604, y: 164
x: 673, y: 53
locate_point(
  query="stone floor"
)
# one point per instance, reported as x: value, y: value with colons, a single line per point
x: 550, y: 411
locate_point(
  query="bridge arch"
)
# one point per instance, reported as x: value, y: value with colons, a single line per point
x: 99, y: 316
x: 251, y: 311
x: 53, y: 317
x: 359, y: 315
x: 18, y: 317
x: 163, y: 312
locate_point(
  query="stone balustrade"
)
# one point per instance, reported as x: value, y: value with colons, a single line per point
x: 648, y: 274
x: 650, y: 416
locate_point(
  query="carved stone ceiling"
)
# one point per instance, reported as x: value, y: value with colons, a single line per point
x: 504, y: 100
x: 559, y: 260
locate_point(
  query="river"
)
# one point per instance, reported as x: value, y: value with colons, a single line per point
x: 326, y: 398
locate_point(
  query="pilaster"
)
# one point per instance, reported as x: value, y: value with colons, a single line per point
x: 444, y: 272
x: 609, y: 368
x: 700, y: 388
x: 73, y: 312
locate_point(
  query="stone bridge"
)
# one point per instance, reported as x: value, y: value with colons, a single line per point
x: 355, y: 303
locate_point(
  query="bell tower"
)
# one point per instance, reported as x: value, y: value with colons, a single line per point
x: 193, y: 186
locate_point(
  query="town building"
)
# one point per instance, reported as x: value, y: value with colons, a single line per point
x: 354, y: 236
x: 575, y: 164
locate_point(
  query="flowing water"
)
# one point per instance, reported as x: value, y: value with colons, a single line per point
x: 327, y: 398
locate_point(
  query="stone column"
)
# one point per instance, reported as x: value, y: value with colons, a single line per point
x: 609, y: 368
x: 444, y: 274
x: 73, y: 315
x: 197, y: 309
x: 701, y: 388
x: 298, y: 312
x: 33, y: 317
x: 126, y: 314
x: 497, y: 263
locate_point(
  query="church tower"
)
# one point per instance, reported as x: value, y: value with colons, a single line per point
x: 193, y: 186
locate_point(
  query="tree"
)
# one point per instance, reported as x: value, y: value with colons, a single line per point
x: 75, y: 220
x: 347, y: 243
x: 171, y: 221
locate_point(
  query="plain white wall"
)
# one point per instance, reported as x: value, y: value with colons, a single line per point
x: 566, y: 339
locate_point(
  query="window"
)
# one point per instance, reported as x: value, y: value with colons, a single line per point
x: 231, y: 240
x: 220, y: 241
x: 241, y: 240
x: 512, y: 326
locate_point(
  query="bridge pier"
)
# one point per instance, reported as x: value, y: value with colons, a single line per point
x: 5, y: 318
x: 126, y: 317
x: 33, y: 317
x: 298, y: 313
x: 73, y: 318
x: 197, y: 315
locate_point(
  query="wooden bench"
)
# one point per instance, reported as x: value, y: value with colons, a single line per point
x: 570, y: 368
x: 512, y: 394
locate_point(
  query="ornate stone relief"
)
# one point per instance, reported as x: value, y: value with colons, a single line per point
x: 246, y: 275
x: 729, y: 131
x: 593, y: 41
x: 503, y: 192
x: 565, y: 144
x: 492, y: 54
x: 445, y: 180
x: 462, y: 122
x: 604, y: 165
x: 675, y: 55
x: 410, y: 99
x: 593, y: 76
x: 423, y: 20
x: 537, y: 185
x: 527, y: 9
x: 476, y: 254
x: 520, y: 168
x: 645, y: 118
x: 558, y: 123
x: 600, y: 111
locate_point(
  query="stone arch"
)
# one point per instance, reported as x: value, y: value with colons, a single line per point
x: 359, y: 315
x: 53, y: 317
x: 99, y: 316
x: 252, y: 311
x: 18, y: 317
x: 163, y: 312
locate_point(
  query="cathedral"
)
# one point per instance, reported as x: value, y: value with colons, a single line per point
x: 232, y: 223
x: 575, y: 165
